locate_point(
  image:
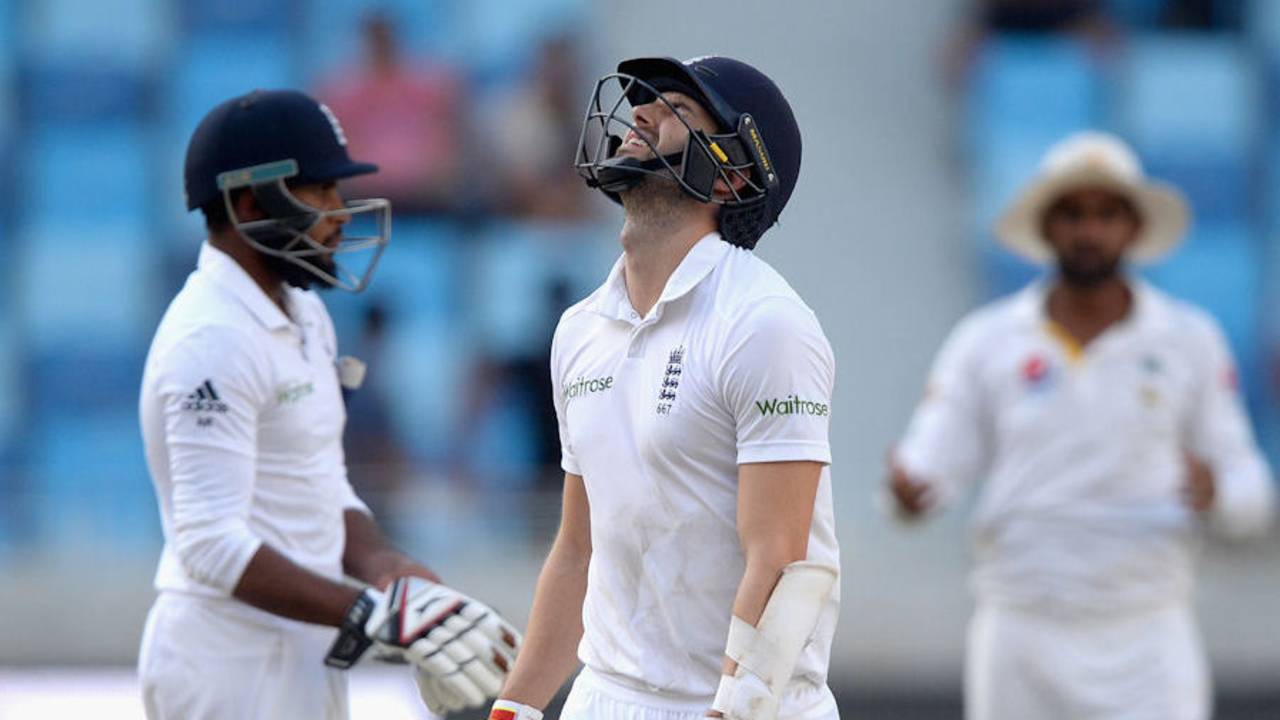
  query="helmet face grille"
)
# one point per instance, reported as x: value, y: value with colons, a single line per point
x: 706, y: 157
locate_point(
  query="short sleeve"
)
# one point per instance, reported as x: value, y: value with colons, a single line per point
x: 211, y: 393
x: 776, y: 375
x: 568, y: 462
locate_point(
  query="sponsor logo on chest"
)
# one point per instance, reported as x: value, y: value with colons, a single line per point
x: 586, y: 386
x: 294, y: 391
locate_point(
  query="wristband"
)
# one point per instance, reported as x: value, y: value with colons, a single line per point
x: 352, y: 640
x: 512, y: 710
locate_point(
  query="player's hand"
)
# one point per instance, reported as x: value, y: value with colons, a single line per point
x: 1199, y: 487
x: 460, y: 648
x: 911, y: 497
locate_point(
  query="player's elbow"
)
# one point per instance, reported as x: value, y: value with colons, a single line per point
x: 772, y: 552
x: 214, y: 553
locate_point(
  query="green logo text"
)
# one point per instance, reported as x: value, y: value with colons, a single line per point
x: 587, y: 386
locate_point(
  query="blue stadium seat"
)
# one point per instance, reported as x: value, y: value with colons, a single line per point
x: 85, y: 285
x: 92, y: 173
x: 997, y: 172
x: 12, y: 389
x: 496, y: 37
x: 1220, y: 268
x: 213, y: 67
x: 238, y: 16
x: 128, y: 34
x: 69, y: 90
x: 1137, y: 14
x: 419, y: 278
x: 1191, y: 94
x: 425, y: 364
x: 89, y: 62
x: 1190, y: 104
x: 89, y: 472
x: 1034, y: 88
x: 517, y: 266
x: 1262, y: 22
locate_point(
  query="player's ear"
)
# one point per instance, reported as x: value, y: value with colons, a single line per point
x: 246, y: 205
x: 721, y: 190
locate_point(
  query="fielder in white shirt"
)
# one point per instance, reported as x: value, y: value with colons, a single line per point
x: 1104, y: 419
x: 242, y: 417
x: 696, y: 566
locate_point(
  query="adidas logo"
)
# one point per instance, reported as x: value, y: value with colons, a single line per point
x: 204, y: 399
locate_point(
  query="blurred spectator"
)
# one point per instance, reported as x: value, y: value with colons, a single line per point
x: 378, y: 465
x: 405, y: 118
x: 536, y: 136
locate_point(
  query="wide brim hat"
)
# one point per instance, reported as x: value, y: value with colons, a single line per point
x: 1093, y: 160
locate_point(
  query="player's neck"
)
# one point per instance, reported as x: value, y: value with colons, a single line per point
x: 651, y: 255
x: 660, y: 227
x: 1087, y: 310
x: 251, y: 261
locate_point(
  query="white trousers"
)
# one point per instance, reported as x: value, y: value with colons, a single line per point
x: 210, y: 659
x: 595, y: 697
x: 1023, y: 665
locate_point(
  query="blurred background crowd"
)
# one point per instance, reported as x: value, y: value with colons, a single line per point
x: 920, y: 119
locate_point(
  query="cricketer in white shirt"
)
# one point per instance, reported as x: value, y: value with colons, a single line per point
x: 1104, y: 420
x: 242, y: 417
x: 656, y: 414
x: 1079, y: 518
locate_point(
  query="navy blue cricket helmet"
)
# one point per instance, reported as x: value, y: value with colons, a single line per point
x: 265, y: 141
x: 756, y: 139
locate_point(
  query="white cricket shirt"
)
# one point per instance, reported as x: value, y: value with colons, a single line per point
x: 656, y: 414
x: 1082, y: 450
x: 242, y: 417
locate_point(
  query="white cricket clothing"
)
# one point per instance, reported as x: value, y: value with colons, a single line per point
x: 1082, y: 450
x: 1148, y: 665
x: 201, y: 659
x: 656, y: 414
x: 242, y: 418
x: 595, y: 697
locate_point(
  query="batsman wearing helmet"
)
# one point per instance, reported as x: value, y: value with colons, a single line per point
x: 696, y: 567
x: 242, y: 417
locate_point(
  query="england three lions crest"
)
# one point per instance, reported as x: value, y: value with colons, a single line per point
x: 670, y: 381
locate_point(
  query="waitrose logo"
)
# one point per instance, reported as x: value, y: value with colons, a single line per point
x: 587, y: 386
x: 792, y: 405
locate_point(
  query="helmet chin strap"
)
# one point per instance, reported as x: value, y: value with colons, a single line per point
x: 618, y: 174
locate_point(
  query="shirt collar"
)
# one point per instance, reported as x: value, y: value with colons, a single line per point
x: 227, y: 274
x: 1032, y: 304
x: 612, y: 299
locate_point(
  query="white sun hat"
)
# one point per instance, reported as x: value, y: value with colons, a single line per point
x: 1094, y: 160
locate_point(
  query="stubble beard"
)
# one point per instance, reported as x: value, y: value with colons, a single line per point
x: 657, y: 205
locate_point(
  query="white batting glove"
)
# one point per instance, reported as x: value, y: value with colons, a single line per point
x: 460, y: 648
